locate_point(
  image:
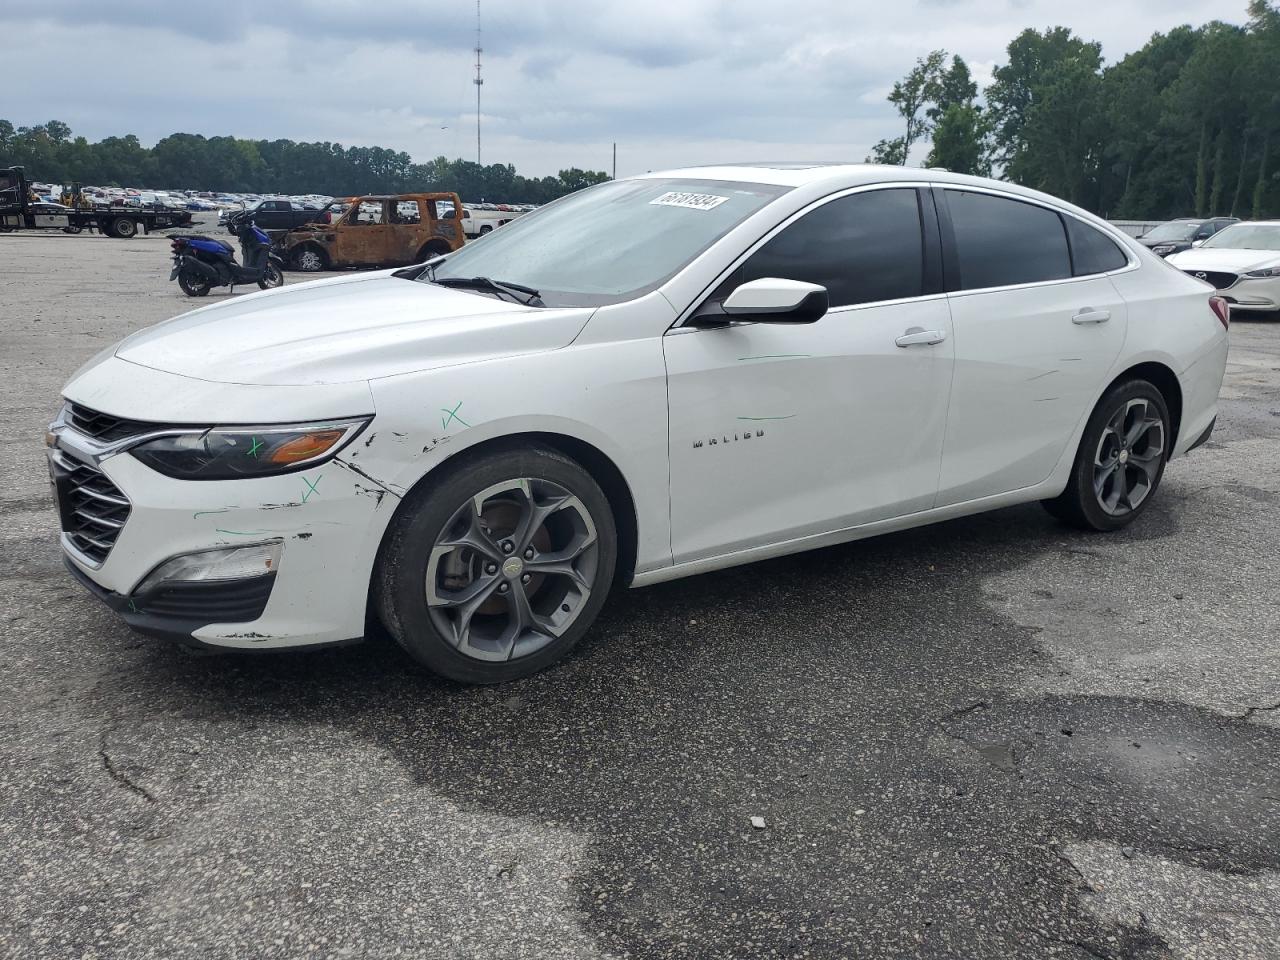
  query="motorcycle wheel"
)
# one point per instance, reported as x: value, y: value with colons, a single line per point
x: 192, y: 284
x: 271, y: 277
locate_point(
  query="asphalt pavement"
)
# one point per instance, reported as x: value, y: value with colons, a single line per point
x: 996, y: 737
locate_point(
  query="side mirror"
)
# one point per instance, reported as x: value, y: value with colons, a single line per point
x: 773, y: 300
x: 1197, y: 243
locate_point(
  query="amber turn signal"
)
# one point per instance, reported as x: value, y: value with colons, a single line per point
x: 305, y: 447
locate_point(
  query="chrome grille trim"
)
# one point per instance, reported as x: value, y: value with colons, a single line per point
x: 93, y: 510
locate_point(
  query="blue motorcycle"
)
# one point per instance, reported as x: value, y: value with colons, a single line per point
x: 202, y: 263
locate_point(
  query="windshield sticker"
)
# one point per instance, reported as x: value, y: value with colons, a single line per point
x: 694, y: 201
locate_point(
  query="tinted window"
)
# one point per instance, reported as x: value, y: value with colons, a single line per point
x: 862, y: 248
x: 1002, y: 242
x: 1091, y: 250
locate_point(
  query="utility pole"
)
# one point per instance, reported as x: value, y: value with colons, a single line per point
x: 615, y: 159
x: 478, y: 81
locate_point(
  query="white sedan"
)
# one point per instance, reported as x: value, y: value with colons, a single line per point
x: 1242, y: 262
x: 651, y: 378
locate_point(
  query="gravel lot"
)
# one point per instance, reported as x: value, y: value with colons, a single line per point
x: 991, y: 738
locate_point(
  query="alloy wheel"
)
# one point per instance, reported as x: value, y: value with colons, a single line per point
x: 512, y: 569
x: 309, y: 261
x: 1127, y: 462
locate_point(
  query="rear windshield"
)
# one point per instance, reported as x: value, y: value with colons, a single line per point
x: 612, y: 242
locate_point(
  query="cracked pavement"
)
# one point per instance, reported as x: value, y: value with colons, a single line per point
x: 996, y: 737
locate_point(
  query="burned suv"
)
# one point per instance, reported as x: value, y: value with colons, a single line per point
x: 377, y: 231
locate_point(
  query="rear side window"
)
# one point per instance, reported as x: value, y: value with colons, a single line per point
x: 1091, y: 250
x: 863, y: 248
x: 1003, y: 242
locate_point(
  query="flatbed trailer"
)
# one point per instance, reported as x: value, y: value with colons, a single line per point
x: 19, y: 212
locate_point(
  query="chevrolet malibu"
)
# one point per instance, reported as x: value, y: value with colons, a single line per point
x: 649, y: 379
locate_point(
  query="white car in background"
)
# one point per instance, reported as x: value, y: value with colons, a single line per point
x: 648, y: 379
x: 1242, y: 262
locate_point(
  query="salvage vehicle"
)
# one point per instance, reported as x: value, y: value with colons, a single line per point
x: 647, y: 379
x: 377, y: 231
x: 1182, y: 234
x: 274, y: 215
x: 1242, y: 262
x: 19, y: 212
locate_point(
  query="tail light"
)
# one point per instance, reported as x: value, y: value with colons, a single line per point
x: 1222, y: 310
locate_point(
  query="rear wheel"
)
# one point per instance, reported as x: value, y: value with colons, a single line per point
x: 498, y: 569
x: 124, y: 228
x: 271, y: 276
x: 1121, y: 459
x: 193, y: 284
x: 310, y: 260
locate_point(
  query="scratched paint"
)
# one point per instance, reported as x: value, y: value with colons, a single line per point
x: 778, y: 356
x: 789, y: 416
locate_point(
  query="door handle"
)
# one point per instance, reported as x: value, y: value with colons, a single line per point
x: 1090, y: 315
x: 918, y: 335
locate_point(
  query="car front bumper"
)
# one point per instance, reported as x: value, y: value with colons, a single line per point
x: 1253, y: 294
x: 324, y: 520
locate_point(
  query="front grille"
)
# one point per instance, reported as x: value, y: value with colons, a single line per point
x: 92, y: 508
x: 1218, y: 278
x: 103, y: 426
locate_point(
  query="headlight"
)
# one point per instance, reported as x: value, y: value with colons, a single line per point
x: 229, y: 453
x: 1265, y: 274
x: 1164, y: 248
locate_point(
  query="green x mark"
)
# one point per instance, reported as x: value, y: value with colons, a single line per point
x: 311, y: 487
x: 452, y: 415
x: 253, y: 451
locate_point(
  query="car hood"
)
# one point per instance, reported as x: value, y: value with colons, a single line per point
x: 341, y: 329
x: 1227, y: 258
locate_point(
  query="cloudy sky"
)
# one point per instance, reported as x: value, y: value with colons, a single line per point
x: 674, y: 82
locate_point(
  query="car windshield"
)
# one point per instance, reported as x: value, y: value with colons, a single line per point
x: 612, y: 242
x: 1177, y: 230
x: 1247, y: 236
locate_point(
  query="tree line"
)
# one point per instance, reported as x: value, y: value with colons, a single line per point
x: 188, y: 161
x: 1187, y: 125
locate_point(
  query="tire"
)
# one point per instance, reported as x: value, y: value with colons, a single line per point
x: 309, y: 260
x: 486, y: 229
x: 193, y: 284
x: 271, y: 277
x: 124, y: 228
x: 508, y: 613
x: 1120, y: 462
x: 71, y: 230
x: 430, y: 251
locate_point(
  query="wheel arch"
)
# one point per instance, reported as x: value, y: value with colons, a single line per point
x: 1166, y: 381
x: 592, y: 459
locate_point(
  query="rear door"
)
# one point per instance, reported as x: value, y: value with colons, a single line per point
x: 1036, y: 333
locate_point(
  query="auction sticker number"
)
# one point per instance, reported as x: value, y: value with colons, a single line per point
x: 694, y: 201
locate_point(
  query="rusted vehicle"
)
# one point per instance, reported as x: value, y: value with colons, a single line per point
x: 377, y: 231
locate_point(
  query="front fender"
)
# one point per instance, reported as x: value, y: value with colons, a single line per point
x: 611, y: 397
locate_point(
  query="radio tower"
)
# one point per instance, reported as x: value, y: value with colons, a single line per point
x: 478, y: 81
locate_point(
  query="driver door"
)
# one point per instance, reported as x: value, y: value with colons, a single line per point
x: 364, y: 237
x: 779, y: 431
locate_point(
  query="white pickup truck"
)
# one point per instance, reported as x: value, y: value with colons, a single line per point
x: 477, y: 220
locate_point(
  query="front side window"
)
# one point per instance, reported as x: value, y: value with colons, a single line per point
x: 863, y: 248
x: 368, y: 212
x: 611, y: 242
x: 1091, y: 250
x: 1003, y: 242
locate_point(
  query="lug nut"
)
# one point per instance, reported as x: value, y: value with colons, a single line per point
x: 528, y: 554
x: 507, y: 546
x: 504, y: 588
x: 491, y: 568
x: 526, y: 578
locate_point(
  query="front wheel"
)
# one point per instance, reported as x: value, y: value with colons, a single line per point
x: 497, y: 569
x: 309, y: 260
x: 193, y: 284
x: 271, y: 276
x: 1120, y: 461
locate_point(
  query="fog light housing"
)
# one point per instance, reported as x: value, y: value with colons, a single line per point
x: 221, y: 563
